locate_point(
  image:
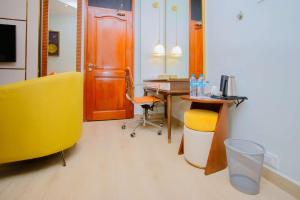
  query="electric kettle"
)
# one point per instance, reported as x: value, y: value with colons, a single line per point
x: 228, y: 86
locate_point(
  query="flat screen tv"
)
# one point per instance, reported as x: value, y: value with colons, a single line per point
x: 7, y: 43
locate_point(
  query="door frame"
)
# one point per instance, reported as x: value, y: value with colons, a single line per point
x: 204, y: 36
x: 44, y: 28
x: 203, y: 3
x: 85, y: 7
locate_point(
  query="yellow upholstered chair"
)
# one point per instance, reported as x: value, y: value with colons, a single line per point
x: 40, y: 117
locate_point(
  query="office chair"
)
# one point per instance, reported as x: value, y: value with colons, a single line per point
x: 146, y: 102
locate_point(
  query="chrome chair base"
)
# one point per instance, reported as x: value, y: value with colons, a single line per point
x: 143, y: 122
x: 63, y: 158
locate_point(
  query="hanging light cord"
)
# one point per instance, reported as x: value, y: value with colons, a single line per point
x: 158, y: 24
x: 176, y: 27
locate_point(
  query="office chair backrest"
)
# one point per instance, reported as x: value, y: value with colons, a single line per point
x: 129, y: 84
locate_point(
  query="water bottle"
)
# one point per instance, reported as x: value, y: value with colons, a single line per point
x: 207, y: 88
x: 200, y: 86
x: 193, y: 81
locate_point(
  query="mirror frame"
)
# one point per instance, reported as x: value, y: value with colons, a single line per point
x: 44, y: 26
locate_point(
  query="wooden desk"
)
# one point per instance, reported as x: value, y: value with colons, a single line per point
x: 168, y: 88
x: 217, y: 156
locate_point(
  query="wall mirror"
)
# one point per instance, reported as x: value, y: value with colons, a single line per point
x: 170, y: 38
x: 184, y: 38
x: 60, y: 36
x: 177, y: 38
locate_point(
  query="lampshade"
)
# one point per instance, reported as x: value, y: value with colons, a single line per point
x: 176, y: 52
x: 159, y: 50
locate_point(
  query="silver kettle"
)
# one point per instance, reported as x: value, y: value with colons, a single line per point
x: 228, y: 86
x: 231, y: 86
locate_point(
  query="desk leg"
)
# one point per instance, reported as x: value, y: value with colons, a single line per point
x: 217, y: 155
x: 181, y: 147
x: 169, y: 104
x: 166, y: 106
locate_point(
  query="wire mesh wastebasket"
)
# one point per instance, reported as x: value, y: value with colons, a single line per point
x: 245, y: 160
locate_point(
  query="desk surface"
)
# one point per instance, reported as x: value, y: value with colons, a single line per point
x: 168, y: 80
x: 171, y: 92
x: 174, y: 87
x: 206, y: 100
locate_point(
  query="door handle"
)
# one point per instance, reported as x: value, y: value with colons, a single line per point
x: 121, y: 14
x: 90, y: 67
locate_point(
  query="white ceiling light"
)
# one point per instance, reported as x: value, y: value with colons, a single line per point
x: 72, y: 3
x: 176, y: 51
x: 159, y: 49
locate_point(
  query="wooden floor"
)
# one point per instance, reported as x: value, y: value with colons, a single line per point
x: 107, y: 164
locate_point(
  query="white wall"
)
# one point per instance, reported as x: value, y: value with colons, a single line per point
x: 14, y: 12
x: 262, y: 51
x: 66, y: 25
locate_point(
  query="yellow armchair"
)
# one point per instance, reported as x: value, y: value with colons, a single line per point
x: 40, y: 117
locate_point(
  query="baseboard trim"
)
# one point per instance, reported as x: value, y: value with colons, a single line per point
x: 282, y: 182
x: 271, y: 175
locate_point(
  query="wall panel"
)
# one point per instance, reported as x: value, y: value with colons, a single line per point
x: 21, y: 44
x: 10, y: 76
x: 25, y: 14
x: 13, y: 9
x: 33, y: 38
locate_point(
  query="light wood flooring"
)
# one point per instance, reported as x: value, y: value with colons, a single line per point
x: 107, y: 164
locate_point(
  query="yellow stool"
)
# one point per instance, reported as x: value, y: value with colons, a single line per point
x: 201, y: 120
x: 198, y: 134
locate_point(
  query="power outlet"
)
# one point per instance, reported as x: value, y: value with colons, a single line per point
x: 271, y: 160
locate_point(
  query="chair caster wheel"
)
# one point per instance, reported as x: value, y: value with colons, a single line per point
x: 159, y: 132
x: 123, y: 127
x: 132, y: 135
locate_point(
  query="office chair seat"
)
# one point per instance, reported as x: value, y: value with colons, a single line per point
x: 146, y: 100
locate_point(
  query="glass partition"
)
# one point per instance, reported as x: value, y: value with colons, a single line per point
x: 62, y: 28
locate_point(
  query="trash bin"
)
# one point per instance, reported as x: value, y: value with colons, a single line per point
x: 245, y: 161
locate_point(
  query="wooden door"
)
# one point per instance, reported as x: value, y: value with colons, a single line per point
x: 109, y: 52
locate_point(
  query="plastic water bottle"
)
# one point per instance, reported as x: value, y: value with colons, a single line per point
x: 207, y: 88
x: 193, y: 85
x: 200, y: 86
